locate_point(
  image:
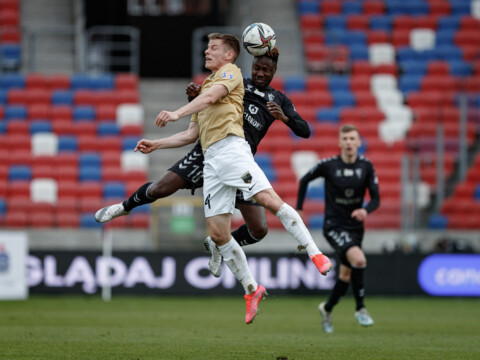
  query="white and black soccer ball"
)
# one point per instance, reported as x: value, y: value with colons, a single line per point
x: 258, y: 39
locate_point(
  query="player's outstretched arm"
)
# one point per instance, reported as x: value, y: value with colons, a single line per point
x: 177, y: 140
x: 201, y: 102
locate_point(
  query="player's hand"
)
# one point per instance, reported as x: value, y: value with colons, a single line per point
x: 164, y: 117
x: 193, y: 89
x: 145, y: 146
x: 360, y: 214
x: 276, y: 111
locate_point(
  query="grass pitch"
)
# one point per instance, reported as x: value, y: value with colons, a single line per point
x: 288, y: 327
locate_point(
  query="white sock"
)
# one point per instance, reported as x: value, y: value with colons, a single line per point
x: 294, y: 224
x: 236, y: 261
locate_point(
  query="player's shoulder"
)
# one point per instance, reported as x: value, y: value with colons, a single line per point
x: 362, y: 159
x: 329, y: 160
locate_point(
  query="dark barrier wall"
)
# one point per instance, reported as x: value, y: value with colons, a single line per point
x: 187, y: 274
x: 165, y: 32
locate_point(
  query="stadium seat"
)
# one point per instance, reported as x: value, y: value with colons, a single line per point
x: 130, y: 114
x: 44, y: 143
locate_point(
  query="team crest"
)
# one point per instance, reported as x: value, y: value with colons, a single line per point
x: 359, y: 173
x: 271, y: 97
x: 227, y: 75
x: 349, y: 193
x: 247, y: 177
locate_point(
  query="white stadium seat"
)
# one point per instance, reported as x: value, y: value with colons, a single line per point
x: 44, y: 190
x: 44, y: 143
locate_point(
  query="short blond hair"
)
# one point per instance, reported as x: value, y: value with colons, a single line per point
x: 347, y: 128
x: 231, y: 42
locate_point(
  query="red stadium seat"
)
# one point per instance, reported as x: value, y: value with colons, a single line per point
x: 126, y: 81
x: 17, y: 219
x: 373, y: 7
x: 68, y: 219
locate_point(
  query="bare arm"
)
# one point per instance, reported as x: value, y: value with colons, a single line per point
x: 201, y: 102
x: 177, y: 140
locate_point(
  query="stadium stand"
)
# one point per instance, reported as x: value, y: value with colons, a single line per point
x: 63, y: 146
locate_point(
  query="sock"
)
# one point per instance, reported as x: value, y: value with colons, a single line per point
x: 338, y: 291
x: 293, y: 223
x: 243, y: 237
x: 138, y: 198
x: 358, y: 286
x: 236, y: 261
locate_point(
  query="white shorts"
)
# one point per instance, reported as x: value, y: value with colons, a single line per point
x: 229, y: 165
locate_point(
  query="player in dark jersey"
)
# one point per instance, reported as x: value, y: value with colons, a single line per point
x: 262, y: 106
x: 347, y: 177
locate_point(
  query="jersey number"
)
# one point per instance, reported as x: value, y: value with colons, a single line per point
x: 207, y: 201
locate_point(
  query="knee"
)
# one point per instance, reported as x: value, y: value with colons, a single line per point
x: 345, y: 277
x: 158, y: 190
x: 259, y: 232
x: 359, y: 263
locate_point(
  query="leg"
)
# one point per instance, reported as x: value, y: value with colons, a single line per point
x: 357, y: 259
x: 145, y: 194
x: 255, y: 227
x: 293, y: 223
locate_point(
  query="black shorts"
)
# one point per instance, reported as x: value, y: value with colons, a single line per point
x: 190, y: 168
x: 342, y: 240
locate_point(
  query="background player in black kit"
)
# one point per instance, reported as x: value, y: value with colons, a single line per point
x: 262, y: 106
x: 347, y: 176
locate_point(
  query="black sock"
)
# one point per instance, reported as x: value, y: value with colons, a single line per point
x: 138, y: 198
x: 338, y: 291
x: 358, y: 286
x: 243, y: 237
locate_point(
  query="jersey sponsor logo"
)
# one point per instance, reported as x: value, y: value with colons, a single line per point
x: 247, y: 178
x: 347, y: 172
x: 259, y: 93
x: 253, y: 109
x: 252, y: 121
x: 227, y: 75
x: 349, y: 193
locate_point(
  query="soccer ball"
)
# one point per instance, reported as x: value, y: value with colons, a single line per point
x: 258, y: 39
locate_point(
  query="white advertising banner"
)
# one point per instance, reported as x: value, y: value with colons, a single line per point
x: 13, y: 265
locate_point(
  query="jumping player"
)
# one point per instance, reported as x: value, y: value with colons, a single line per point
x: 347, y: 176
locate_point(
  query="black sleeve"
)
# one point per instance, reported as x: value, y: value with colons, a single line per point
x: 314, y: 173
x: 296, y: 123
x: 374, y: 202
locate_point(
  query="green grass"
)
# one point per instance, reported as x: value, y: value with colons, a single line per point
x: 213, y: 328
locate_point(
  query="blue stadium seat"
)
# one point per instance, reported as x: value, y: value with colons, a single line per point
x: 89, y: 159
x: 67, y: 143
x: 339, y: 83
x: 408, y: 83
x: 417, y: 7
x: 88, y: 221
x: 397, y: 7
x: 3, y: 127
x: 270, y: 173
x: 3, y: 206
x: 10, y: 57
x: 381, y: 23
x: 444, y: 37
x: 106, y: 128
x: 90, y: 173
x: 263, y: 160
x: 413, y: 67
x: 335, y: 22
x: 350, y: 7
x: 356, y: 37
x: 437, y: 222
x: 448, y: 23
x: 459, y: 7
x: 294, y: 83
x: 406, y: 54
x: 316, y: 192
x: 84, y: 113
x: 3, y: 96
x: 460, y: 68
x: 336, y: 37
x: 427, y: 55
x: 93, y: 82
x: 114, y: 190
x: 40, y: 126
x: 343, y: 98
x: 448, y: 52
x: 358, y: 52
x: 308, y: 7
x: 62, y: 97
x: 129, y: 143
x: 476, y: 193
x: 19, y: 172
x: 12, y: 80
x: 316, y: 222
x: 328, y: 115
x: 15, y: 112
